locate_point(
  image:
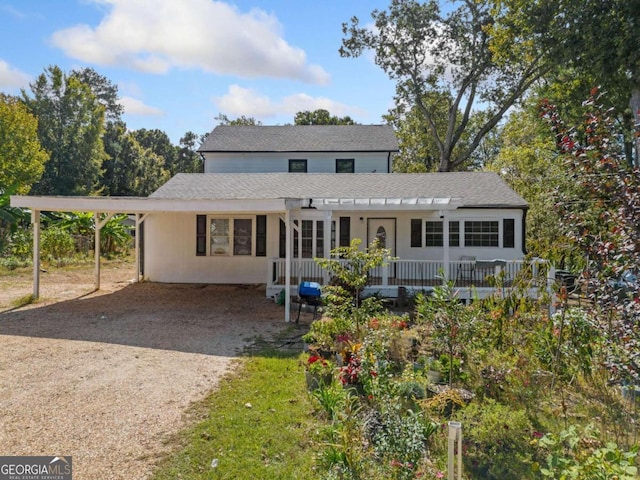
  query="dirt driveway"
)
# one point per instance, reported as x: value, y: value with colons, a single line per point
x: 107, y: 376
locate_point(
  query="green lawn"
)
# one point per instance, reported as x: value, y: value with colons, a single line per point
x: 258, y: 425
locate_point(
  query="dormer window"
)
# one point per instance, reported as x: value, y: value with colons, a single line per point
x: 297, y: 165
x: 345, y: 165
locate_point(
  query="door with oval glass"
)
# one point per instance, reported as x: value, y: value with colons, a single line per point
x: 384, y: 229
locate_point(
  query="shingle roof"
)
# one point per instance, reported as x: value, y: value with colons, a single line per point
x: 469, y: 189
x: 301, y: 138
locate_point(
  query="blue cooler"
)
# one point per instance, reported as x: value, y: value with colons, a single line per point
x: 309, y: 293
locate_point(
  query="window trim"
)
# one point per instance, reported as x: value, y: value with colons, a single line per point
x: 232, y: 219
x: 483, y: 235
x: 301, y: 161
x: 350, y: 162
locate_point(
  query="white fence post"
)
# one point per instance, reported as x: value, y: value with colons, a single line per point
x: 455, y: 433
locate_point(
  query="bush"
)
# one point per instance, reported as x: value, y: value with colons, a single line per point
x: 496, y: 441
x: 56, y: 244
x: 578, y: 454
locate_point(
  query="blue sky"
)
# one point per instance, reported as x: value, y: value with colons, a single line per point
x: 179, y: 63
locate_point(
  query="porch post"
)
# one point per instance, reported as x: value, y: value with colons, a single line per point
x: 35, y: 220
x: 287, y: 267
x: 327, y: 243
x: 445, y: 243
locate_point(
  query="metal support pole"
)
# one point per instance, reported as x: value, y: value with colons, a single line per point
x: 455, y: 433
x: 35, y: 220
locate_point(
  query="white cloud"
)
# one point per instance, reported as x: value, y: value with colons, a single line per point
x: 157, y: 35
x: 243, y: 101
x: 133, y: 106
x: 11, y: 77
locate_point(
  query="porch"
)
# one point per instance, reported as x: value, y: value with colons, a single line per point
x: 472, y: 278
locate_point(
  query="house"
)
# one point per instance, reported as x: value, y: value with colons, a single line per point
x: 274, y: 197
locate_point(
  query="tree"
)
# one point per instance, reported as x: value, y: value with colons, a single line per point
x: 601, y: 217
x: 427, y: 52
x: 527, y: 161
x: 159, y: 143
x: 594, y: 42
x: 320, y: 117
x: 242, y: 120
x: 188, y: 159
x: 70, y: 126
x: 22, y: 158
x: 103, y: 89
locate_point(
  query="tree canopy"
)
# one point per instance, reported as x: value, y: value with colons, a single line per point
x: 321, y: 117
x: 70, y: 126
x: 451, y: 54
x: 22, y: 158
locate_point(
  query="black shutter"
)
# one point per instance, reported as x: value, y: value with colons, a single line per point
x: 261, y: 235
x: 201, y: 235
x: 345, y: 231
x: 283, y: 240
x: 416, y: 232
x: 508, y: 233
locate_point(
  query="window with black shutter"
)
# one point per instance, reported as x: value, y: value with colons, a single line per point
x: 416, y: 232
x: 508, y: 233
x: 345, y: 231
x: 261, y: 235
x: 201, y: 235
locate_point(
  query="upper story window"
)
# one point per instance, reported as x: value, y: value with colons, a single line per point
x: 345, y: 165
x: 297, y: 165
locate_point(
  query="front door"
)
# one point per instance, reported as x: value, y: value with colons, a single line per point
x: 384, y: 229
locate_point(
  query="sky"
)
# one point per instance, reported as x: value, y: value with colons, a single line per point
x: 180, y: 63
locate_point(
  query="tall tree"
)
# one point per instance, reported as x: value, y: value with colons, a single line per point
x: 321, y: 117
x: 594, y: 41
x: 103, y: 89
x: 188, y: 159
x: 527, y: 161
x: 224, y: 119
x: 70, y: 126
x: 159, y: 143
x: 22, y: 158
x: 425, y: 50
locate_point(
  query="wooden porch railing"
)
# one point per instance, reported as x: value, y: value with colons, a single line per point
x: 423, y: 273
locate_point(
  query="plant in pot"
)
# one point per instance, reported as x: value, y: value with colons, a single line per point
x: 318, y: 371
x: 433, y: 369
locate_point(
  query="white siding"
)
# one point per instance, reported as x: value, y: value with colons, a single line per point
x: 170, y: 255
x: 170, y: 245
x: 279, y: 162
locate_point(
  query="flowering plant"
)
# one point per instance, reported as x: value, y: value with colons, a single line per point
x: 318, y: 365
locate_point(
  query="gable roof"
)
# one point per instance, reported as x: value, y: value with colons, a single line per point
x: 301, y: 138
x: 466, y: 189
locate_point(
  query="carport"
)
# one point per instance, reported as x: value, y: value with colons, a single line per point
x: 141, y: 207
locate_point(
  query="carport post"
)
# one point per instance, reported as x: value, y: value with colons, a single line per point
x: 35, y: 220
x: 96, y: 249
x: 98, y: 226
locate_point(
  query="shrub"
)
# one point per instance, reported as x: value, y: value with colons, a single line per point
x: 578, y: 454
x: 496, y: 441
x: 56, y: 244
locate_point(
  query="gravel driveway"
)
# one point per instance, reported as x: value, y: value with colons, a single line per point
x: 106, y: 377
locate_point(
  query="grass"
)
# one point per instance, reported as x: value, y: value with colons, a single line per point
x: 22, y: 301
x: 257, y: 425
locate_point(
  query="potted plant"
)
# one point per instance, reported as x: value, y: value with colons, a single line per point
x: 434, y: 370
x: 318, y: 371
